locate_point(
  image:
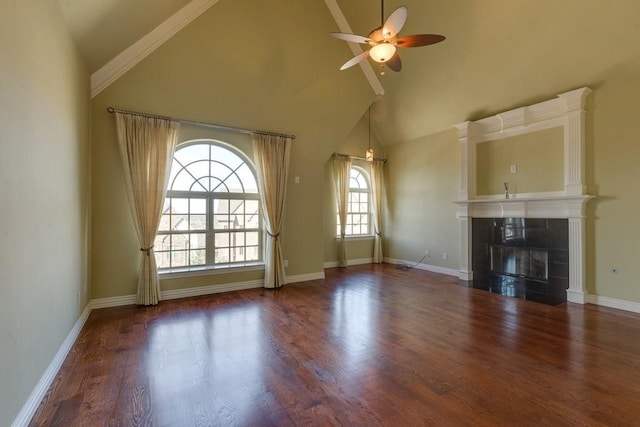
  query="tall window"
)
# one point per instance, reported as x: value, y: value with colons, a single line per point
x: 211, y: 215
x: 358, y: 205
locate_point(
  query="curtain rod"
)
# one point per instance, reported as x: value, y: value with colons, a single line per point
x: 201, y: 124
x: 358, y: 157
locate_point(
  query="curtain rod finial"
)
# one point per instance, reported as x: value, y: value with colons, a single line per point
x: 110, y: 110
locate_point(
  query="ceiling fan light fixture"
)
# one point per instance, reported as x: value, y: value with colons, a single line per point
x: 382, y: 52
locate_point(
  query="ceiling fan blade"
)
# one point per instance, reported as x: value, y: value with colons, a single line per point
x: 419, y: 40
x: 353, y: 61
x: 394, y: 64
x: 352, y: 38
x: 395, y: 22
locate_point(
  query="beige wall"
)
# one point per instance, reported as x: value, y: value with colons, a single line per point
x: 280, y: 86
x: 538, y: 157
x: 44, y: 93
x: 423, y: 180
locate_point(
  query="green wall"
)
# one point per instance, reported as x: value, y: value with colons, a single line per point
x: 538, y: 157
x: 281, y: 86
x: 423, y: 180
x: 44, y: 130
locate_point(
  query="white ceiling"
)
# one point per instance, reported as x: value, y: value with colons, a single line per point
x: 499, y: 54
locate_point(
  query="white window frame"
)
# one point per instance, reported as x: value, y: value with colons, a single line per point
x: 210, y: 231
x: 350, y: 212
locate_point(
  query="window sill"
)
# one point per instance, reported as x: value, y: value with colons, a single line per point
x: 209, y: 270
x: 360, y: 237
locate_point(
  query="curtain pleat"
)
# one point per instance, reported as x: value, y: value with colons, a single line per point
x: 146, y: 150
x: 271, y: 155
x: 377, y: 190
x: 341, y: 169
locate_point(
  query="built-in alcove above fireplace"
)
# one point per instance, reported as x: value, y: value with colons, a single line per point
x: 549, y: 186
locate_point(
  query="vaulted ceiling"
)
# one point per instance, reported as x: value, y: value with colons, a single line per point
x: 499, y: 54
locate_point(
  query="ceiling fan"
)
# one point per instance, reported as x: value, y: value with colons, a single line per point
x: 385, y: 40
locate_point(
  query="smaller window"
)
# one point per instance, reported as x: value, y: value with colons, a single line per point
x: 358, y: 205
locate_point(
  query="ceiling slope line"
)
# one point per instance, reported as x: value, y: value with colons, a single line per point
x: 344, y: 27
x: 128, y: 58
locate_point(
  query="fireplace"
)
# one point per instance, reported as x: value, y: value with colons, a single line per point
x: 525, y: 258
x: 527, y: 239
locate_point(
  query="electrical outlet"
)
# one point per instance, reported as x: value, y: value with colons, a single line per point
x: 426, y: 253
x: 445, y: 255
x: 286, y: 263
x: 513, y: 169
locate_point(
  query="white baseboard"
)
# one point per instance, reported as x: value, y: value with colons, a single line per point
x: 359, y: 261
x: 427, y: 267
x: 614, y: 303
x: 211, y: 289
x: 41, y: 388
x: 305, y: 277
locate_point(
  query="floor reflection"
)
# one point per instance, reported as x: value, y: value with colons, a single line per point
x: 196, y: 358
x: 354, y: 323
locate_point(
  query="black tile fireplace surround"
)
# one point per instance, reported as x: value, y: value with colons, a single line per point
x: 521, y: 257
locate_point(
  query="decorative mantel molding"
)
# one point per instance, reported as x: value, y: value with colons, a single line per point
x: 566, y: 110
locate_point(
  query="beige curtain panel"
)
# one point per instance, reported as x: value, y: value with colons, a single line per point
x: 271, y: 155
x: 377, y: 190
x: 146, y: 150
x: 341, y: 170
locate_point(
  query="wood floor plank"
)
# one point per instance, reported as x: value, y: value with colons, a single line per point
x: 369, y: 345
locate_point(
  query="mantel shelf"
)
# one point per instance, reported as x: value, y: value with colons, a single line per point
x: 530, y: 207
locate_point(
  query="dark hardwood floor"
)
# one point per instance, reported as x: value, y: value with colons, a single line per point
x: 369, y: 345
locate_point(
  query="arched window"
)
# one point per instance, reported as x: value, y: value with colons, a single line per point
x: 358, y: 205
x: 211, y: 215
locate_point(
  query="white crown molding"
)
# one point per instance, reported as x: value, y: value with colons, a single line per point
x: 344, y: 27
x: 135, y: 53
x: 41, y: 388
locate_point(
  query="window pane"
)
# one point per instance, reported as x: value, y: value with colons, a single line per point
x: 222, y: 256
x: 179, y: 242
x: 222, y: 240
x: 364, y: 207
x: 251, y: 253
x: 179, y: 222
x: 237, y: 254
x: 248, y: 179
x: 164, y: 223
x: 237, y: 239
x: 162, y: 243
x: 252, y: 221
x: 251, y: 206
x: 197, y: 257
x: 180, y: 206
x: 198, y: 206
x: 221, y: 222
x: 163, y: 259
x: 221, y: 206
x: 252, y: 238
x: 198, y: 241
x: 179, y: 258
x: 197, y: 222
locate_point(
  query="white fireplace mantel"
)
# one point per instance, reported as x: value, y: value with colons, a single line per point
x: 566, y: 110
